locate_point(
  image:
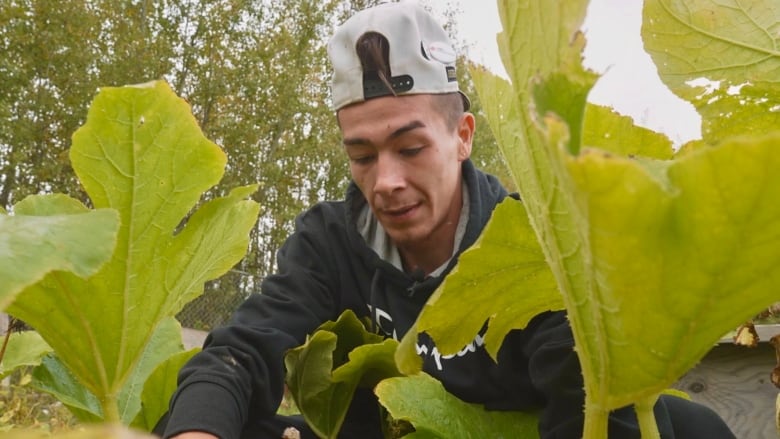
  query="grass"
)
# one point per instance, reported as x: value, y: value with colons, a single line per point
x: 21, y: 406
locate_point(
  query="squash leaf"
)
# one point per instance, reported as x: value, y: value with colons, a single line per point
x: 159, y: 388
x: 722, y: 56
x: 676, y: 267
x: 142, y: 154
x: 655, y: 259
x: 324, y: 373
x: 53, y: 377
x: 505, y: 263
x: 25, y: 348
x: 435, y: 413
x: 165, y: 339
x: 79, y: 241
x: 688, y: 39
x: 610, y: 131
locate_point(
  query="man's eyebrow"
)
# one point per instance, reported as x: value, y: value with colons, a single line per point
x: 358, y: 141
x: 406, y: 128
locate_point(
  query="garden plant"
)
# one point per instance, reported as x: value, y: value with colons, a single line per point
x: 101, y: 286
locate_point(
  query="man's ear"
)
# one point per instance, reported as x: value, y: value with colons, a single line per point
x: 466, y: 127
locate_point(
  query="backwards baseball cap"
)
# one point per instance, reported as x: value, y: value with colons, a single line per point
x: 421, y: 55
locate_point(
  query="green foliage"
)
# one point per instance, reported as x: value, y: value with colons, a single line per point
x: 37, y: 241
x: 25, y: 348
x: 721, y: 57
x: 340, y: 356
x: 254, y: 72
x: 485, y: 153
x: 505, y: 259
x: 141, y: 154
x: 613, y: 132
x: 435, y: 413
x: 694, y: 247
x: 162, y: 381
x: 54, y: 378
x: 734, y: 41
x: 323, y: 373
x: 53, y: 57
x: 655, y: 257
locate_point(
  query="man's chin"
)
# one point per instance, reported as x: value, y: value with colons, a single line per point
x: 406, y: 238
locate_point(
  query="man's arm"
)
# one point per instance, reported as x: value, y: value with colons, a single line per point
x: 241, y: 368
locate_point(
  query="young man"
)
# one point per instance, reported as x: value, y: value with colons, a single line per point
x: 416, y: 202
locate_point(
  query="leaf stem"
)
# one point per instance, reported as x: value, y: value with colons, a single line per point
x: 110, y: 406
x: 596, y: 420
x: 646, y: 417
x: 6, y: 338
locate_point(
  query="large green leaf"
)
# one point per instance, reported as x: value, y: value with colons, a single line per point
x: 608, y: 130
x: 655, y: 259
x: 140, y: 152
x: 693, y: 259
x: 722, y: 56
x: 513, y: 119
x: 369, y: 364
x: 627, y: 211
x: 165, y: 339
x: 435, y: 413
x: 754, y: 109
x: 159, y: 388
x: 53, y: 377
x: 713, y: 39
x: 79, y: 241
x: 322, y: 374
x: 25, y: 348
x: 547, y: 26
x: 504, y: 264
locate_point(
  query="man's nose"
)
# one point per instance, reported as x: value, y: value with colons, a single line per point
x: 390, y: 174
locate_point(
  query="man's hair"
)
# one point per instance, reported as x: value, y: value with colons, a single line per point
x: 373, y: 50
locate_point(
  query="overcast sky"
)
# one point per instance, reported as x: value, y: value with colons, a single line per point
x: 630, y: 84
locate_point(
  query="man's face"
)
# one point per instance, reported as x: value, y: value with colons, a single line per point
x: 407, y: 164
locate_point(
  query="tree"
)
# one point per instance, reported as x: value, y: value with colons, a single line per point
x: 254, y: 72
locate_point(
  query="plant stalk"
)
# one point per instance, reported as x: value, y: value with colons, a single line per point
x: 6, y: 338
x: 596, y: 420
x: 110, y: 407
x: 644, y: 413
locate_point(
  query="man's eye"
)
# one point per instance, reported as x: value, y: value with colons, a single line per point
x: 411, y: 152
x: 362, y: 160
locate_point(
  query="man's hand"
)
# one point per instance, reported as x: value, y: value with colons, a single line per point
x: 195, y: 435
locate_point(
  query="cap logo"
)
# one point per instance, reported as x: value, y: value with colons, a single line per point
x: 441, y: 52
x: 451, y: 75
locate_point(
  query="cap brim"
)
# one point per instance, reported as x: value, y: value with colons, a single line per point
x: 466, y: 101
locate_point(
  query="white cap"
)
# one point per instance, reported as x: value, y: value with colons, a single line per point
x: 421, y: 56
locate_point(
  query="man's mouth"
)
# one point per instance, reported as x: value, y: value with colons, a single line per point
x: 399, y: 213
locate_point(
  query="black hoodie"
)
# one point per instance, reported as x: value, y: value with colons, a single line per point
x: 326, y: 267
